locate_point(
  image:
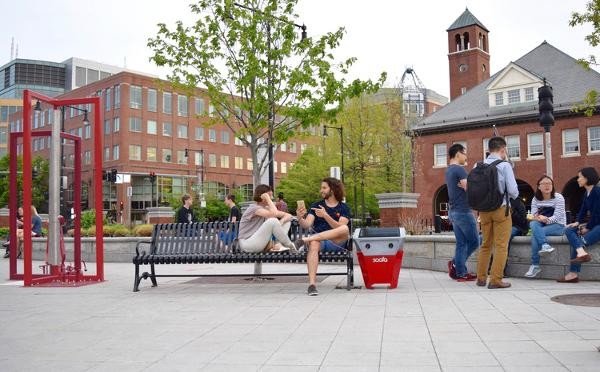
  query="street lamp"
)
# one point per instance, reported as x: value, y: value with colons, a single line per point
x: 341, y: 130
x: 546, y: 107
x: 271, y: 117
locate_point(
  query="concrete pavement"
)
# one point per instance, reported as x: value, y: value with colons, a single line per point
x: 429, y: 323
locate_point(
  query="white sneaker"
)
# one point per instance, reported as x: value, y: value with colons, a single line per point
x: 546, y: 248
x: 533, y: 271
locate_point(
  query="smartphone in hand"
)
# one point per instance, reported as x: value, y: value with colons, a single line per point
x: 301, y: 204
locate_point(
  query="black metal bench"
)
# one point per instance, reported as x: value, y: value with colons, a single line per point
x: 200, y: 243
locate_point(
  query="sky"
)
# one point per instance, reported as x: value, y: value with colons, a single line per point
x: 388, y: 35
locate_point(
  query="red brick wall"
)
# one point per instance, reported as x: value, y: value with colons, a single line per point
x: 429, y: 179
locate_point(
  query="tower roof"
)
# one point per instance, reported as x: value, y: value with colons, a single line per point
x: 466, y: 19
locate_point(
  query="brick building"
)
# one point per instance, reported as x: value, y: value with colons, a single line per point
x: 147, y: 126
x: 507, y: 101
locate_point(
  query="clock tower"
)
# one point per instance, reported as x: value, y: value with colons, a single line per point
x: 468, y: 54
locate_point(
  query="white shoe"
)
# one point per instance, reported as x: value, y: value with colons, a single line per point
x: 533, y: 271
x: 546, y: 248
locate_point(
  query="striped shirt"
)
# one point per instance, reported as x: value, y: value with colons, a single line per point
x: 558, y: 203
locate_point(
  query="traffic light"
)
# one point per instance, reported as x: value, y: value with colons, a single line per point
x: 113, y: 175
x: 186, y: 153
x: 121, y: 205
x: 152, y: 177
x: 546, y: 106
x: 104, y: 175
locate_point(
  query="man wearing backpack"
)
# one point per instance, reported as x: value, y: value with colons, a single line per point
x: 463, y: 221
x: 491, y: 185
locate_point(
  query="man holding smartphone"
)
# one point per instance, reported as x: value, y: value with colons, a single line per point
x: 328, y: 219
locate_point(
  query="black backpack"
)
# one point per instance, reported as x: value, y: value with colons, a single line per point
x: 483, y: 191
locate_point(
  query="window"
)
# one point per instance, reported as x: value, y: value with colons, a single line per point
x: 107, y: 100
x: 212, y: 135
x: 212, y: 160
x: 182, y: 105
x: 199, y: 106
x: 166, y: 155
x: 88, y: 131
x: 167, y: 103
x: 181, y: 158
x: 199, y: 133
x: 167, y: 129
x: 239, y: 162
x: 249, y: 164
x: 283, y: 167
x: 513, y: 147
x: 117, y: 96
x: 116, y: 124
x: 463, y: 90
x: 182, y: 131
x: 198, y: 158
x: 293, y: 147
x: 238, y: 142
x: 570, y: 139
x: 274, y: 166
x: 303, y: 148
x: 528, y: 94
x: 225, y: 137
x: 87, y: 157
x: 151, y: 127
x: 116, y: 152
x: 151, y: 153
x: 135, y: 152
x: 499, y: 98
x: 594, y: 139
x: 106, y: 126
x: 135, y: 97
x: 224, y: 161
x: 135, y: 124
x: 152, y: 100
x: 106, y: 153
x: 536, y: 144
x: 439, y: 155
x: 514, y: 96
x: 211, y: 110
x: 283, y: 147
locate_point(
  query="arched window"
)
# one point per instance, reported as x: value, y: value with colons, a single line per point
x: 466, y: 42
x: 485, y: 49
x: 247, y: 191
x: 458, y: 43
x: 480, y: 41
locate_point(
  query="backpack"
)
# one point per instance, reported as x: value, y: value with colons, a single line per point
x: 483, y: 191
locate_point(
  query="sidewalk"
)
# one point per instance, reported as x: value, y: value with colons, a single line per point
x: 429, y: 323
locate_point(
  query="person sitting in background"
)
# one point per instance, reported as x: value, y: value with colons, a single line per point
x: 260, y: 221
x: 281, y: 204
x: 36, y: 229
x: 582, y: 235
x: 549, y: 219
x: 19, y: 226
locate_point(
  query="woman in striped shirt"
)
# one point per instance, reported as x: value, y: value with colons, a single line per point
x: 549, y: 219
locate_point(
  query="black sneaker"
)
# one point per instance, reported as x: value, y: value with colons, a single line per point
x: 312, y: 290
x: 6, y: 243
x: 451, y: 270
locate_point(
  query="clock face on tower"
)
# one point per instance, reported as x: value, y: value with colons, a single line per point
x: 463, y: 67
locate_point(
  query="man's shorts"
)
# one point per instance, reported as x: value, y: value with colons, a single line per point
x: 331, y: 246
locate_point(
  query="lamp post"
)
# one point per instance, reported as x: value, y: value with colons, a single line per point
x: 546, y: 108
x: 341, y: 130
x: 271, y: 83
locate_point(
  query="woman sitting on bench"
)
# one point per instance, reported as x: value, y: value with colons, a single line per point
x: 261, y: 221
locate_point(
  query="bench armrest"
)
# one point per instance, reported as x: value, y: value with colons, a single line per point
x: 137, y: 251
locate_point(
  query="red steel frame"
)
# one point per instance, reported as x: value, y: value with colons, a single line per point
x: 57, y: 273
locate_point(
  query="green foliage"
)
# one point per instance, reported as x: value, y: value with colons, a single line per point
x: 591, y: 16
x: 88, y: 218
x: 216, y: 209
x: 4, y: 231
x: 39, y: 183
x: 252, y: 62
x: 142, y: 230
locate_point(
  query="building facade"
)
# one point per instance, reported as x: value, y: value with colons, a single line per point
x: 147, y: 127
x: 506, y: 104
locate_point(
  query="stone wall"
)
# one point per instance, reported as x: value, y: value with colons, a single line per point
x: 430, y: 252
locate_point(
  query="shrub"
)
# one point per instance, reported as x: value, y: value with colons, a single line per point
x: 143, y: 230
x: 4, y: 232
x: 88, y: 218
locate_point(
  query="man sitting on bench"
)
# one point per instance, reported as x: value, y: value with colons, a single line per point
x: 329, y: 221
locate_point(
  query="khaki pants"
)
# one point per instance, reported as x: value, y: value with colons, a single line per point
x: 496, y: 228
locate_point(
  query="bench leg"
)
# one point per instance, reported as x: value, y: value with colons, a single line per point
x: 136, y: 278
x: 153, y: 275
x: 350, y: 274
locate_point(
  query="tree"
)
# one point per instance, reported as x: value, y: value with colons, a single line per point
x: 265, y: 82
x: 591, y: 16
x: 39, y: 181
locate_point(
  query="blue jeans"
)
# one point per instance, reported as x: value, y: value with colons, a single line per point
x: 576, y: 241
x: 467, y: 239
x: 332, y: 247
x: 539, y: 232
x: 514, y: 232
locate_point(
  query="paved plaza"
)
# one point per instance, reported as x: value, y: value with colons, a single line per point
x: 429, y: 323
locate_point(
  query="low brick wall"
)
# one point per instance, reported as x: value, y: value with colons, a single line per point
x: 430, y: 252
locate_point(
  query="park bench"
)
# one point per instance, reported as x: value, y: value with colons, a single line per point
x: 200, y: 243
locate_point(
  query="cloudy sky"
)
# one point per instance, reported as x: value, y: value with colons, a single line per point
x: 385, y: 35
